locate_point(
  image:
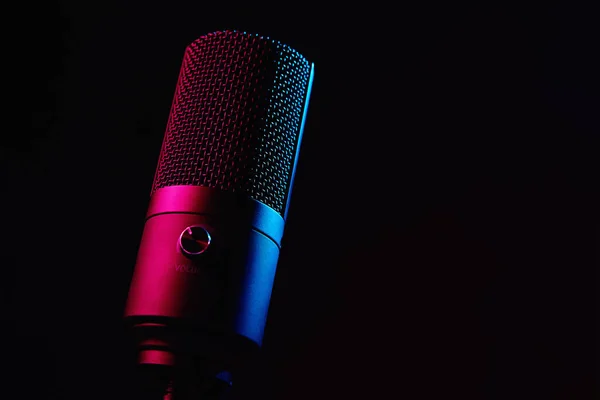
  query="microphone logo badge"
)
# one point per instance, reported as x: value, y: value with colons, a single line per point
x: 190, y: 269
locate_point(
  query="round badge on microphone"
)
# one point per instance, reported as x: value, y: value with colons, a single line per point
x: 194, y: 240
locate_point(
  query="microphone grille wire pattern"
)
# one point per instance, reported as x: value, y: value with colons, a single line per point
x: 236, y: 117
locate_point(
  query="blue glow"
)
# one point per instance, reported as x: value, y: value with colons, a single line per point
x: 308, y: 91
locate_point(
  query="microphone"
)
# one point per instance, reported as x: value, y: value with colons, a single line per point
x: 201, y: 287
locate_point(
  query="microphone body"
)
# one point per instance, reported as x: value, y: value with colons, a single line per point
x: 203, y: 277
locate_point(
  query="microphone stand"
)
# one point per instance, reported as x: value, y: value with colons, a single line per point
x: 183, y: 382
x: 177, y: 363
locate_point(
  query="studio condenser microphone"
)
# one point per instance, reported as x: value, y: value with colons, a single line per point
x: 205, y: 268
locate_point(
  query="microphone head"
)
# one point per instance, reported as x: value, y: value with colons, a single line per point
x: 237, y: 117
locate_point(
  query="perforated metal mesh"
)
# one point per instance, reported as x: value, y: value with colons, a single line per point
x: 235, y: 118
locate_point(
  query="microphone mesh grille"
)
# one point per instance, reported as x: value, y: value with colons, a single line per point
x: 235, y: 118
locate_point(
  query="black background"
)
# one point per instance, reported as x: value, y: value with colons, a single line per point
x: 442, y: 235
